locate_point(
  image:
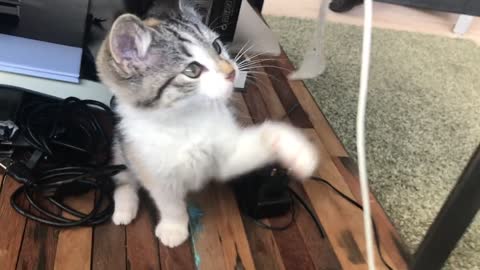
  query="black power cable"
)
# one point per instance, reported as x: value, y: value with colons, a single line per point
x: 310, y: 212
x: 359, y: 206
x: 75, y: 147
x: 341, y: 194
x: 317, y: 221
x: 56, y: 184
x: 67, y: 129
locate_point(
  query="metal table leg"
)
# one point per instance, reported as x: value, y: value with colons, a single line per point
x: 451, y: 223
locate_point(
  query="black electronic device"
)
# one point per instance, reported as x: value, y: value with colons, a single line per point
x: 220, y: 15
x: 11, y: 100
x: 223, y: 17
x: 9, y: 11
x: 264, y: 193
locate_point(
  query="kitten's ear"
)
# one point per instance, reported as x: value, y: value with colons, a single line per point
x: 129, y: 42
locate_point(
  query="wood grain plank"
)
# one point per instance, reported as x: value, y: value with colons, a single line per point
x: 109, y: 247
x: 318, y: 120
x: 285, y: 95
x: 39, y: 244
x: 291, y: 245
x: 389, y: 238
x: 256, y: 105
x: 12, y: 225
x: 342, y: 221
x: 180, y: 257
x: 327, y: 135
x: 242, y: 113
x: 207, y: 240
x: 2, y: 179
x: 235, y: 248
x: 142, y: 244
x: 272, y: 101
x: 264, y: 249
x: 221, y: 243
x: 74, y: 246
x: 319, y: 248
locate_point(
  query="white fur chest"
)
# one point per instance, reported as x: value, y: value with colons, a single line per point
x: 184, y: 148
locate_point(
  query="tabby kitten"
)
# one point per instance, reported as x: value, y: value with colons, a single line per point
x: 173, y: 78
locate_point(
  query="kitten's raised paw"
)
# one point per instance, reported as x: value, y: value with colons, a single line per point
x: 292, y: 148
x: 171, y: 234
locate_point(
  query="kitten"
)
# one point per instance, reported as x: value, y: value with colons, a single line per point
x: 172, y: 79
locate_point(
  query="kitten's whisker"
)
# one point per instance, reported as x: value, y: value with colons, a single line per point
x: 257, y: 55
x: 265, y: 66
x: 258, y: 61
x: 240, y: 51
x: 245, y: 51
x: 251, y: 63
x: 251, y: 58
x: 239, y: 56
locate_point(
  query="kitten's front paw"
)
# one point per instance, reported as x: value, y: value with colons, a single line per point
x: 126, y: 205
x: 124, y: 215
x: 171, y: 234
x: 292, y: 148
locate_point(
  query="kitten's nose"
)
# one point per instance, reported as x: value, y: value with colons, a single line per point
x: 231, y: 76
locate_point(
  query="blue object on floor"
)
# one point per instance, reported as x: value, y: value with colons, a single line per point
x: 195, y: 215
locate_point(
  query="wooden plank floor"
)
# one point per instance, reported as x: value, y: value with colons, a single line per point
x: 223, y: 238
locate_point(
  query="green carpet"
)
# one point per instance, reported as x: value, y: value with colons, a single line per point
x: 423, y: 117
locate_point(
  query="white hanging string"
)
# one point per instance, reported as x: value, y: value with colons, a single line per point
x: 312, y: 66
x: 361, y: 112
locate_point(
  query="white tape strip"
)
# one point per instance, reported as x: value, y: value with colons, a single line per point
x: 314, y: 62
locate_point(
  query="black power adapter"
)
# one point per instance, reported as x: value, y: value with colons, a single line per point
x: 264, y: 193
x: 10, y: 12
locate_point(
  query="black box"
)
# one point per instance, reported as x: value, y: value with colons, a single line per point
x: 263, y: 193
x: 221, y: 15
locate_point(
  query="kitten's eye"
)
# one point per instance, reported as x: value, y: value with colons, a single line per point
x: 217, y: 46
x: 193, y: 70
